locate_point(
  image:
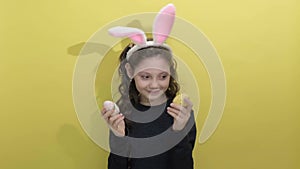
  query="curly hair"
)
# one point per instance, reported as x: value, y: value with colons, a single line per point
x: 127, y: 88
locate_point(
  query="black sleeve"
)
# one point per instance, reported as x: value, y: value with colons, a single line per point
x: 181, y: 155
x: 118, y: 157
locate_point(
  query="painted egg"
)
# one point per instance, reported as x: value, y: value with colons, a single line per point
x: 109, y: 105
x: 179, y: 99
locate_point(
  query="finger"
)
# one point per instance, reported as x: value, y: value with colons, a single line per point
x: 107, y: 115
x: 115, y: 118
x: 174, y: 115
x: 178, y: 113
x: 103, y: 110
x: 189, y: 106
x: 112, y: 118
x: 188, y: 102
x: 181, y: 109
x: 176, y: 106
x: 118, y: 121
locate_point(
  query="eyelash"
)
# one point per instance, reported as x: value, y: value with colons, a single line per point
x: 144, y: 77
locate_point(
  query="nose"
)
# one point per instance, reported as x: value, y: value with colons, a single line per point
x: 154, y: 84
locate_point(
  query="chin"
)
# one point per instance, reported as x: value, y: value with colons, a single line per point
x: 159, y: 95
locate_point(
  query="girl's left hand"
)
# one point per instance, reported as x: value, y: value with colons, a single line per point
x: 181, y: 114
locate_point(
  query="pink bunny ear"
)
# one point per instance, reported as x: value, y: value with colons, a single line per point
x: 136, y: 35
x: 163, y: 23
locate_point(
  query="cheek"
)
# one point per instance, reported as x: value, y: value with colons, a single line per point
x: 140, y: 84
x: 166, y: 83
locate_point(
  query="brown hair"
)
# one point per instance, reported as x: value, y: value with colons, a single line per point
x: 127, y: 88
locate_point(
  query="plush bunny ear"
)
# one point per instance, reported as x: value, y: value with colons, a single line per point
x: 136, y: 35
x: 163, y: 23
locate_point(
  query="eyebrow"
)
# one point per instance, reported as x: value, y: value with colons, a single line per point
x: 150, y: 73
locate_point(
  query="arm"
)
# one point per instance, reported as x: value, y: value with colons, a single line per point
x: 181, y: 154
x: 118, y: 143
x: 115, y: 121
x: 181, y: 113
x: 118, y: 157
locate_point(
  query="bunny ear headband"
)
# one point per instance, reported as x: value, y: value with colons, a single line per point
x: 161, y: 29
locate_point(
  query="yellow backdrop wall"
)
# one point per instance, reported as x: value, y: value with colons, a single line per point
x: 257, y: 41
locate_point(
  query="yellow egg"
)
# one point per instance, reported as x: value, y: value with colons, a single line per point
x: 179, y: 99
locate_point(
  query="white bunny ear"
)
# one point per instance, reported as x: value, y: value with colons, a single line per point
x: 136, y: 35
x: 163, y: 23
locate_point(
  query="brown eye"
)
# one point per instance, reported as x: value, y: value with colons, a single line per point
x: 145, y: 76
x: 163, y: 76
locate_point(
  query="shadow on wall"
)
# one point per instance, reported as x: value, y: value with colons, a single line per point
x: 91, y: 47
x: 86, y: 48
x: 80, y: 148
x: 73, y: 141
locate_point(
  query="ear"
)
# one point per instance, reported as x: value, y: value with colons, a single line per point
x: 135, y: 34
x: 163, y: 23
x: 129, y: 70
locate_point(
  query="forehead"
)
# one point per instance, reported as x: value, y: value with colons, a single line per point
x: 154, y: 65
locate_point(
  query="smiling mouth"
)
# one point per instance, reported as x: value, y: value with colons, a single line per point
x: 154, y: 92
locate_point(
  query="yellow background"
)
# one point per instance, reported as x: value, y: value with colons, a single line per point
x: 257, y: 41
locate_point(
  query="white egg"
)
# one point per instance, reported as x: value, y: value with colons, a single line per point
x: 109, y: 105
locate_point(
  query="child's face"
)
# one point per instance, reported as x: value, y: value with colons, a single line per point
x: 152, y: 78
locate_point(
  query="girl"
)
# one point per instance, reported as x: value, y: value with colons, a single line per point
x: 151, y: 132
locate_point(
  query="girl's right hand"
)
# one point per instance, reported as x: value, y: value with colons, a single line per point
x: 115, y: 122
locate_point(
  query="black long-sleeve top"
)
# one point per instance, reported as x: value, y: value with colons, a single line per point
x: 150, y: 142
